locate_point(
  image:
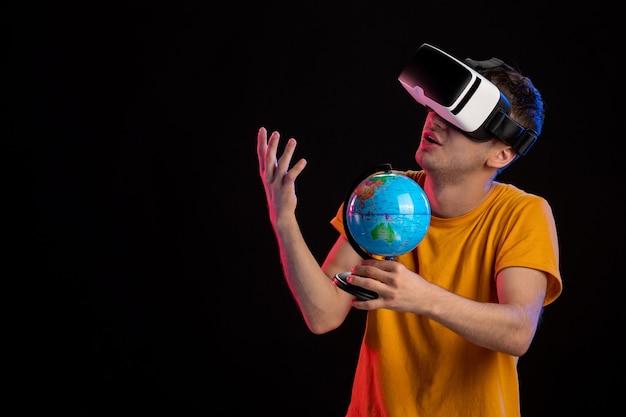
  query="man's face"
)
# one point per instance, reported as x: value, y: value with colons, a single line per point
x: 447, y: 152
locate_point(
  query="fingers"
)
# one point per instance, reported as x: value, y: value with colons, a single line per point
x: 285, y: 159
x: 266, y: 157
x: 266, y: 154
x: 266, y: 149
x: 261, y: 146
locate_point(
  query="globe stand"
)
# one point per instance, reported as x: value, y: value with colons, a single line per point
x: 359, y: 292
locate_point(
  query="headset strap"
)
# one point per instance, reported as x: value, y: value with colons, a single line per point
x: 487, y: 64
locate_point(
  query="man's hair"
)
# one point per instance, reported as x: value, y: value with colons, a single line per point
x: 527, y: 107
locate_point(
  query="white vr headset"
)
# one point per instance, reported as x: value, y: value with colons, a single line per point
x: 463, y: 97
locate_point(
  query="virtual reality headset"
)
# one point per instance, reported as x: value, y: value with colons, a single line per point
x: 463, y: 97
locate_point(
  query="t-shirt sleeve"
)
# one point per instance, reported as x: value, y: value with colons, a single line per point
x: 532, y: 242
x: 337, y: 221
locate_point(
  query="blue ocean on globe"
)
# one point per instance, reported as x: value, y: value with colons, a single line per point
x: 387, y: 214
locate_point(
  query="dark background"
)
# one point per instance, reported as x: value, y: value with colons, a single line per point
x: 148, y: 279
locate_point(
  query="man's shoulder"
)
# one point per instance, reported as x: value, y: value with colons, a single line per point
x: 518, y: 199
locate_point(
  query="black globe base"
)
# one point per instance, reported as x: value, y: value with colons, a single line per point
x: 361, y: 293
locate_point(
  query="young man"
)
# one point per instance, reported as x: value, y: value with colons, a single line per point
x: 453, y: 316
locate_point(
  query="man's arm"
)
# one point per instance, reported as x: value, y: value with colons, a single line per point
x: 323, y: 305
x: 508, y: 326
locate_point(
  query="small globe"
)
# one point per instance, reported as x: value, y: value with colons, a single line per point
x: 387, y: 214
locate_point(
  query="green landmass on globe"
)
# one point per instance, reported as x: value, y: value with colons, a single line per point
x: 383, y: 231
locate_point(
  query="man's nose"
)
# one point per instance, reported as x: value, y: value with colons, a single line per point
x: 437, y: 121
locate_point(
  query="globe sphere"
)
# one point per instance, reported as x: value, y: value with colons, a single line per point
x: 387, y: 214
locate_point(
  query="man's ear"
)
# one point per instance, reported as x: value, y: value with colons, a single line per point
x: 502, y: 155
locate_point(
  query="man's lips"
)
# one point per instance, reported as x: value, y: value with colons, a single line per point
x: 430, y: 139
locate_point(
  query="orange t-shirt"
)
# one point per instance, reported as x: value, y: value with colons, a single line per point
x: 410, y: 365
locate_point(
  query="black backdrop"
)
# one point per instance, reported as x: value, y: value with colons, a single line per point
x: 149, y: 277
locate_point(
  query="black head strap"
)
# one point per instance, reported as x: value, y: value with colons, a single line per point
x: 487, y: 64
x: 511, y: 132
